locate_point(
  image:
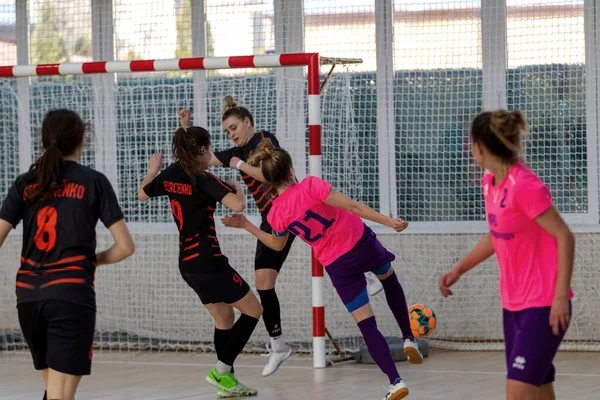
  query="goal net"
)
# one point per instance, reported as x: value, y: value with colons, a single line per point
x: 447, y: 64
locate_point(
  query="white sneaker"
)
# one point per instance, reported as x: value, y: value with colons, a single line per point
x: 374, y: 285
x: 397, y: 391
x: 275, y: 360
x: 411, y: 350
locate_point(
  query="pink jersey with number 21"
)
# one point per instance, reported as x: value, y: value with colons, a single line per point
x: 301, y: 210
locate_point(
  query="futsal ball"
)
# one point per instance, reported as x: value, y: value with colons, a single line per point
x: 422, y: 320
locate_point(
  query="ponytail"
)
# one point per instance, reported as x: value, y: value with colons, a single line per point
x: 275, y: 163
x: 48, y: 173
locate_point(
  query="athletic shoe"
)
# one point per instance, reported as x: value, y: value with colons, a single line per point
x: 374, y: 285
x: 275, y: 360
x: 226, y: 381
x: 240, y: 390
x: 411, y: 350
x: 397, y: 391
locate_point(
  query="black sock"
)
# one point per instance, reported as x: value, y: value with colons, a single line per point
x: 221, y: 338
x: 271, y: 311
x: 238, y: 337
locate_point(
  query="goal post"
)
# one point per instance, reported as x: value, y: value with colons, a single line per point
x: 313, y: 62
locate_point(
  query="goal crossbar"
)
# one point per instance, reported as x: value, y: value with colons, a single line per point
x: 311, y: 60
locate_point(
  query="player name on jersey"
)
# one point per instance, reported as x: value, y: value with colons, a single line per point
x: 69, y: 190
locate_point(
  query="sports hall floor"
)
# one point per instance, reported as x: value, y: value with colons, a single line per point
x: 444, y: 375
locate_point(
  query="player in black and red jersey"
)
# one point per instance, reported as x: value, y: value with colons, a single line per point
x: 194, y: 193
x: 238, y: 122
x: 60, y: 203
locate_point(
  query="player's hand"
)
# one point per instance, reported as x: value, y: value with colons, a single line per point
x: 559, y: 315
x: 234, y: 184
x: 235, y: 221
x: 398, y: 224
x: 447, y: 280
x: 184, y: 118
x: 233, y: 162
x: 155, y: 164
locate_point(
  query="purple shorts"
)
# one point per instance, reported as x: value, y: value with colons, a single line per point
x: 347, y: 273
x: 530, y: 345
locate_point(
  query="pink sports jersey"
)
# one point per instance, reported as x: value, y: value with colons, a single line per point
x: 302, y: 211
x: 527, y: 254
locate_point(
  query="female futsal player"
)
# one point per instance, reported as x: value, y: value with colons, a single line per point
x: 331, y: 224
x: 60, y: 203
x: 535, y: 252
x: 238, y: 122
x: 194, y: 194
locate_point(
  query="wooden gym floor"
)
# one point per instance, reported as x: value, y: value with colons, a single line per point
x: 177, y: 376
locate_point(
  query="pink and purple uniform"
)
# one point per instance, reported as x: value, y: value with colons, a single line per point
x: 528, y: 262
x: 342, y: 243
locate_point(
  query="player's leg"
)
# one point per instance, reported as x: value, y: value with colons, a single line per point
x: 70, y: 339
x: 62, y: 386
x: 351, y: 286
x: 530, y: 362
x: 394, y: 295
x: 223, y: 291
x: 267, y: 265
x: 35, y: 331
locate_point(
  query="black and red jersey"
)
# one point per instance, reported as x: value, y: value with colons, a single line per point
x: 193, y: 203
x: 263, y: 193
x: 58, y: 256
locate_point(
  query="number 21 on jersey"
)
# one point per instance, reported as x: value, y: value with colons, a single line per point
x: 297, y: 226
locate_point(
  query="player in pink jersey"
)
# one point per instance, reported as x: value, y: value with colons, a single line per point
x: 535, y: 252
x: 331, y: 224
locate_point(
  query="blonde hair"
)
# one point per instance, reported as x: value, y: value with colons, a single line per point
x: 230, y: 107
x: 500, y: 132
x: 275, y: 163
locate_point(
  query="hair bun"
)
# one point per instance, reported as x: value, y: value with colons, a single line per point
x: 228, y: 102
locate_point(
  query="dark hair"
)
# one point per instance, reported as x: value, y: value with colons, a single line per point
x: 186, y: 147
x: 62, y: 133
x: 231, y: 108
x: 500, y: 132
x: 275, y: 163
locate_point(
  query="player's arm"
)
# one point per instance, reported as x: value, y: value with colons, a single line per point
x: 552, y: 222
x: 5, y: 228
x: 185, y: 120
x: 235, y: 201
x: 122, y: 248
x: 336, y: 199
x: 482, y: 251
x: 154, y: 167
x: 251, y: 170
x: 274, y: 240
x: 214, y: 161
x: 12, y: 211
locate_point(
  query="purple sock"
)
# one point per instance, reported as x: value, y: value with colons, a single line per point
x: 378, y: 348
x: 397, y: 302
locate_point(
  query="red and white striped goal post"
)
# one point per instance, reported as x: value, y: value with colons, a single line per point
x: 311, y: 60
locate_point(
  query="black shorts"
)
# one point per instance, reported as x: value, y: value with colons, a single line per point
x: 217, y: 285
x: 60, y: 335
x: 266, y: 257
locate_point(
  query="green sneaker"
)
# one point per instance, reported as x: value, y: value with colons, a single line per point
x: 226, y: 381
x: 224, y: 393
